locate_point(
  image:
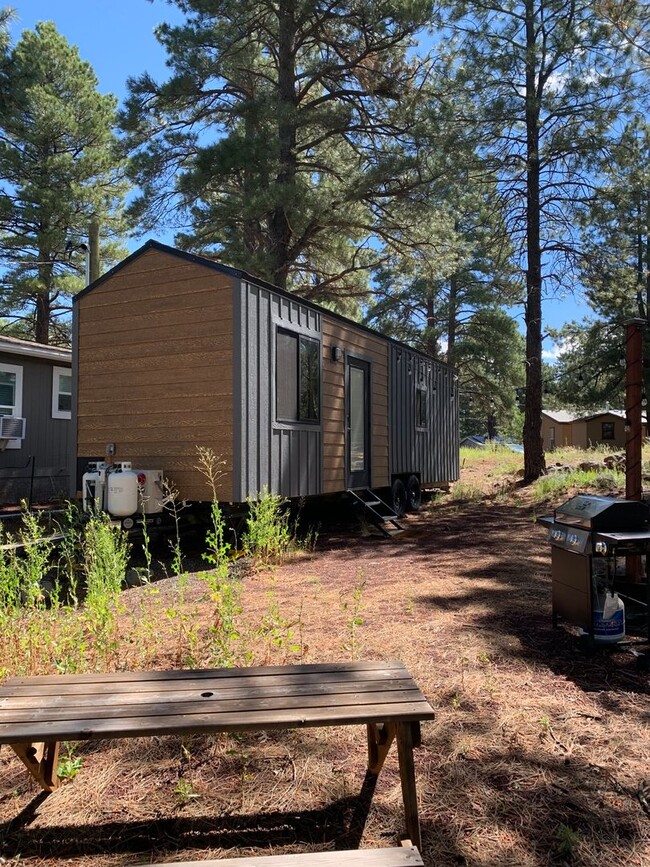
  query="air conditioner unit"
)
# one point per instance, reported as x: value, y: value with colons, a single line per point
x: 12, y: 428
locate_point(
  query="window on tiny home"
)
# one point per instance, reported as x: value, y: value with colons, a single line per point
x: 297, y: 377
x: 421, y: 407
x: 608, y: 430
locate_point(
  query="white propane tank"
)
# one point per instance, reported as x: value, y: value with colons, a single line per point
x: 150, y: 491
x: 121, y: 490
x: 93, y: 485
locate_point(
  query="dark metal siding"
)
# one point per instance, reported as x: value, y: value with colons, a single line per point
x: 284, y: 457
x: 47, y: 439
x: 430, y: 452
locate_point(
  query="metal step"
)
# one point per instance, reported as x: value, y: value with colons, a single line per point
x: 379, y: 512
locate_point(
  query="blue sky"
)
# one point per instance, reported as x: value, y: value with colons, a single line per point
x: 117, y: 38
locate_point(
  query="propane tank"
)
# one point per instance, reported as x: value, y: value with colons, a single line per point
x: 93, y: 483
x: 121, y: 490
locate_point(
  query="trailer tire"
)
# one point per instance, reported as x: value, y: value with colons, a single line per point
x: 413, y: 494
x: 398, y: 498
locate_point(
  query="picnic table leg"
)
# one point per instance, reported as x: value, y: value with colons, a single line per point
x: 41, y: 760
x: 380, y: 738
x: 408, y: 736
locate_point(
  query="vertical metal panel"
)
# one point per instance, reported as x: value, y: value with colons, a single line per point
x: 47, y: 439
x: 72, y: 435
x: 431, y: 452
x: 284, y: 457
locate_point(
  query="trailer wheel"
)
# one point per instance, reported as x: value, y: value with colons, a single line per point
x: 398, y: 497
x: 413, y: 494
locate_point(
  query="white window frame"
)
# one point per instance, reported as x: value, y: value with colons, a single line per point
x: 18, y: 405
x: 57, y: 373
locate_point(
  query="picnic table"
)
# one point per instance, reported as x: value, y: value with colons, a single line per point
x: 37, y: 713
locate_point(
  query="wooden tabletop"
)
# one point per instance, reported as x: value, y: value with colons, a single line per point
x: 130, y: 704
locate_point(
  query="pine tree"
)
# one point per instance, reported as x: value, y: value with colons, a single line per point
x: 59, y: 167
x: 549, y: 77
x: 287, y: 134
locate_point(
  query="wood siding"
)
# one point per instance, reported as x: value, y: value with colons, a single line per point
x: 155, y: 360
x: 555, y: 434
x: 46, y: 439
x: 368, y: 347
x: 285, y: 457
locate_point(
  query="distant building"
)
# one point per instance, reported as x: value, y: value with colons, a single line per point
x: 582, y: 430
x: 35, y: 420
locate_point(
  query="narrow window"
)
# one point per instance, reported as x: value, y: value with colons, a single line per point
x: 297, y: 378
x: 421, y: 419
x: 61, y: 392
x: 608, y: 430
x: 11, y: 395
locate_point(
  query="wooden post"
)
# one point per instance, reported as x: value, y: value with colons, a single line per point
x: 407, y: 737
x: 380, y: 737
x: 41, y: 760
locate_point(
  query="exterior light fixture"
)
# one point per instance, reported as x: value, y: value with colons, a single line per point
x: 621, y: 359
x: 581, y: 379
x: 644, y: 399
x: 336, y: 353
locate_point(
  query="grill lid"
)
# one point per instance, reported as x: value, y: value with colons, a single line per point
x: 591, y: 512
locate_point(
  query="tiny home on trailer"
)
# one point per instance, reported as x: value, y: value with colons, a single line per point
x: 173, y: 351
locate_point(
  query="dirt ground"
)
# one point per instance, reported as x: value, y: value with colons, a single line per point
x: 538, y: 755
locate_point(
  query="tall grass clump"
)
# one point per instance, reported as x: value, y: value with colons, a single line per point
x: 105, y: 551
x: 225, y: 593
x: 553, y: 485
x: 267, y: 538
x: 462, y: 492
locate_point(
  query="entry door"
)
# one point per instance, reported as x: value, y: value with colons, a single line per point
x: 358, y: 423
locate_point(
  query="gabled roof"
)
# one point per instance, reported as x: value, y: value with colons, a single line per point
x: 16, y: 346
x: 561, y: 416
x: 238, y: 274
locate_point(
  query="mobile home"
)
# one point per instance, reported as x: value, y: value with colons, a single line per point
x: 35, y: 421
x: 174, y: 351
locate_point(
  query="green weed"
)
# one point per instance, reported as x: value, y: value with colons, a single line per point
x: 352, y: 609
x: 69, y: 764
x: 267, y: 537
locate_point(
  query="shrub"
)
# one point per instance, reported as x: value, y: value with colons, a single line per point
x: 267, y: 537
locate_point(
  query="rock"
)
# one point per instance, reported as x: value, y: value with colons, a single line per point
x: 559, y: 468
x: 134, y: 578
x: 590, y: 465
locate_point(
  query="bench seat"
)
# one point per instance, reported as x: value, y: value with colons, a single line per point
x: 37, y: 713
x: 402, y: 856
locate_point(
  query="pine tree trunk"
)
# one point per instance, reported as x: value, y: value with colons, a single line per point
x: 43, y: 304
x: 534, y: 463
x: 280, y: 226
x: 451, y: 323
x: 432, y: 344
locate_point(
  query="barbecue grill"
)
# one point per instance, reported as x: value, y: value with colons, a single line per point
x: 587, y: 535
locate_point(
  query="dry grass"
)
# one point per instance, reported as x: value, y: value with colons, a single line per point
x: 538, y: 755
